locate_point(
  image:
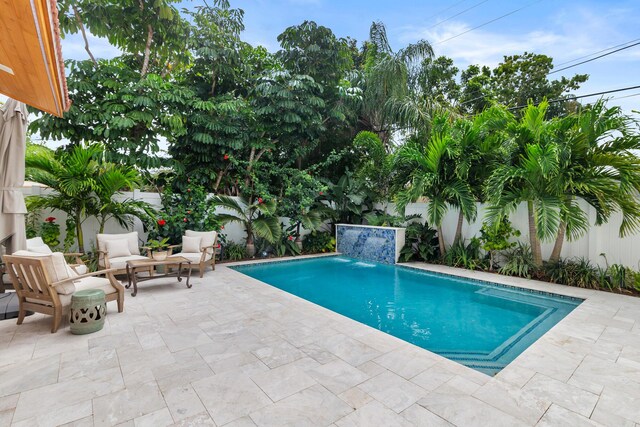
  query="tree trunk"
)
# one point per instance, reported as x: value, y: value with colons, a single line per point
x: 456, y: 240
x: 557, y: 247
x: 84, y: 34
x: 441, y: 241
x: 79, y: 234
x: 536, y: 250
x: 147, y: 51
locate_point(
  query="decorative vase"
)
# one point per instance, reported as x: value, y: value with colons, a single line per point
x: 251, y: 250
x: 159, y: 255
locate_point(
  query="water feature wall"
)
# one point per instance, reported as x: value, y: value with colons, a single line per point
x: 379, y: 244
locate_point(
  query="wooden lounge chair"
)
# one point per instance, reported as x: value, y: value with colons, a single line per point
x: 117, y: 260
x: 36, y: 244
x: 203, y: 254
x: 44, y: 284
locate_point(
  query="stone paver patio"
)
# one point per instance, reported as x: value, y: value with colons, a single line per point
x: 233, y: 351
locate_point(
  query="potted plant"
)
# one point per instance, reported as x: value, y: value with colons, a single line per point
x: 158, y: 248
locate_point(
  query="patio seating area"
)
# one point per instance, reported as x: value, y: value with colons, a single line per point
x: 234, y: 351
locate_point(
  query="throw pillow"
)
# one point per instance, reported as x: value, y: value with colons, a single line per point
x: 117, y: 248
x: 191, y: 245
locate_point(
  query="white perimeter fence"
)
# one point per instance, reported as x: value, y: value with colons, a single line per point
x: 598, y: 240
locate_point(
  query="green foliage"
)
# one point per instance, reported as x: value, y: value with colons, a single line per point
x: 519, y: 262
x: 579, y: 272
x: 84, y: 185
x: 258, y: 217
x: 50, y: 232
x: 286, y: 246
x: 381, y: 219
x: 465, y: 255
x: 376, y: 167
x: 349, y: 200
x: 421, y: 243
x: 181, y: 211
x: 234, y: 251
x: 496, y: 238
x: 318, y: 242
x: 158, y: 245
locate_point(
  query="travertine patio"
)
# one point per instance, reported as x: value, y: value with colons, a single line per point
x: 233, y: 351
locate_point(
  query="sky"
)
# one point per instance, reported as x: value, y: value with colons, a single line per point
x: 564, y: 30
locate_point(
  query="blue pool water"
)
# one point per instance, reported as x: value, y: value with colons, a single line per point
x: 481, y: 325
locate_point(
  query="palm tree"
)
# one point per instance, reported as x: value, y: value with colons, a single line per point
x: 434, y: 176
x: 83, y: 186
x: 598, y: 165
x: 257, y: 216
x: 72, y: 176
x: 529, y: 174
x: 387, y: 76
x: 111, y: 181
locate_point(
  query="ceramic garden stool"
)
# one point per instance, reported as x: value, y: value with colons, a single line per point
x: 88, y: 310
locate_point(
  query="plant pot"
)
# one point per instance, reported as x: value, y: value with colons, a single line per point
x: 299, y: 243
x: 251, y: 250
x: 159, y: 255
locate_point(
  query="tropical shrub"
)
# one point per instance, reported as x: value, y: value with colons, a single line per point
x: 577, y: 272
x: 421, y: 243
x: 50, y: 232
x: 519, y: 262
x: 287, y: 246
x: 318, y: 242
x: 465, y: 255
x: 188, y: 210
x: 234, y: 251
x: 495, y: 239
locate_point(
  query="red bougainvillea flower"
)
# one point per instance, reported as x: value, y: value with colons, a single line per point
x: 218, y: 245
x: 188, y: 190
x: 184, y: 219
x: 259, y: 199
x: 321, y: 193
x: 162, y: 222
x: 189, y: 212
x: 226, y: 157
x: 290, y: 237
x: 222, y: 227
x: 50, y: 219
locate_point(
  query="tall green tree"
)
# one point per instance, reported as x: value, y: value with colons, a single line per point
x: 434, y: 177
x: 599, y: 165
x: 529, y: 175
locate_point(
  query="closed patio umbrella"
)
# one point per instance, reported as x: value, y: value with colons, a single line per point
x: 13, y: 128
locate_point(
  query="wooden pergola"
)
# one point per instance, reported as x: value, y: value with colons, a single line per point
x: 31, y: 64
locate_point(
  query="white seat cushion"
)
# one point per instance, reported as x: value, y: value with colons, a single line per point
x: 193, y: 257
x: 121, y: 262
x: 94, y: 282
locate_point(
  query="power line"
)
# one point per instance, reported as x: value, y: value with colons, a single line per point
x: 457, y: 14
x: 581, y: 96
x: 626, y: 96
x: 489, y: 22
x: 450, y: 7
x: 595, y: 53
x: 594, y: 58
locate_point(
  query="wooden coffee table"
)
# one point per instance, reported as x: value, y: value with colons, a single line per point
x: 144, y: 264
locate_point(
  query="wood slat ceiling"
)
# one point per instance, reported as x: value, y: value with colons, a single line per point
x: 31, y: 69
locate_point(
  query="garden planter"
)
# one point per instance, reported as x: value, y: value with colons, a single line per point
x: 251, y: 250
x: 160, y: 255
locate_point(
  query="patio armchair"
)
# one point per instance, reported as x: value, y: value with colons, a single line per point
x: 199, y: 247
x: 44, y: 283
x: 114, y: 250
x: 36, y: 244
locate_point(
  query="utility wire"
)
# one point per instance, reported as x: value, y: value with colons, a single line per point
x: 457, y: 14
x: 450, y: 7
x: 595, y: 53
x: 594, y: 58
x: 581, y: 96
x: 488, y: 22
x: 626, y: 96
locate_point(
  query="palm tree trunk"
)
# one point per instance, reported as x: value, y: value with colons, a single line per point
x: 557, y: 247
x: 458, y: 236
x: 536, y: 250
x: 79, y: 233
x: 441, y: 241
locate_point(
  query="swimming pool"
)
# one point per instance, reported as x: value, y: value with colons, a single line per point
x: 479, y: 324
